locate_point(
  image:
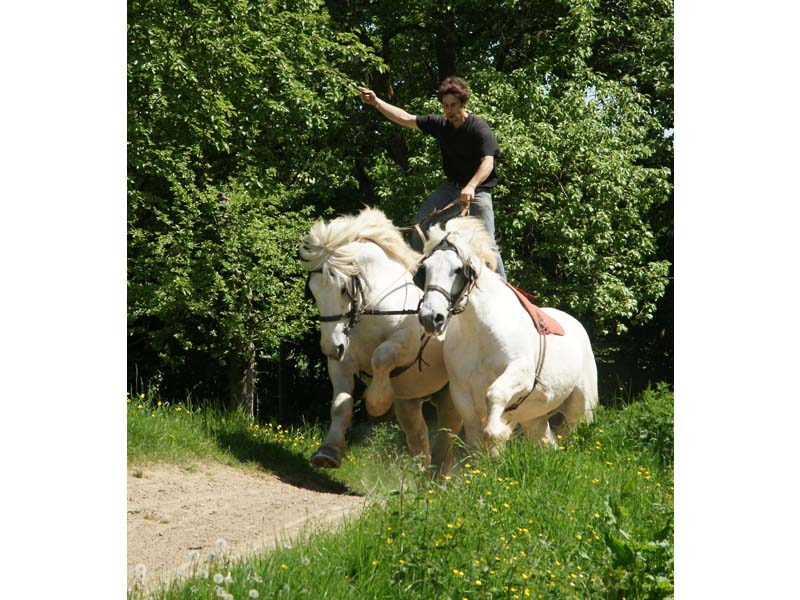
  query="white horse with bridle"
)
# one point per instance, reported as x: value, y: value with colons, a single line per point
x: 503, y: 371
x: 359, y: 273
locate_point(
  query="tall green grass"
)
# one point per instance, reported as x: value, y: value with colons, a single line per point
x: 592, y: 519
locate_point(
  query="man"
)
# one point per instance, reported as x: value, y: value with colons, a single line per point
x: 469, y: 149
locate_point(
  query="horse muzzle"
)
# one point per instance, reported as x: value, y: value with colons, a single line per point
x: 433, y: 321
x: 335, y: 344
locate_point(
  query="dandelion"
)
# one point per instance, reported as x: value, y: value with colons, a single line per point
x: 141, y: 571
x: 488, y: 493
x: 595, y: 481
x: 221, y: 544
x: 374, y: 563
x: 253, y: 593
x: 478, y: 582
x: 578, y: 536
x: 402, y: 562
x: 141, y: 396
x: 160, y: 403
x: 284, y: 566
x: 506, y: 505
x: 218, y: 578
x: 389, y: 541
x: 140, y: 406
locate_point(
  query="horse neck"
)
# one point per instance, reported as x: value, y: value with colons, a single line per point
x: 485, y: 288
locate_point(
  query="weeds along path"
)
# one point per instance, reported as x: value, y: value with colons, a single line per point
x: 177, y: 515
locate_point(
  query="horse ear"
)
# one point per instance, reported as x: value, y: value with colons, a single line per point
x: 419, y: 277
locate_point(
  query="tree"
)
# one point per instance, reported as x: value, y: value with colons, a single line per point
x: 233, y: 113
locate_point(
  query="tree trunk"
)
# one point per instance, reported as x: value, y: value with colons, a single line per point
x: 446, y: 42
x: 242, y: 378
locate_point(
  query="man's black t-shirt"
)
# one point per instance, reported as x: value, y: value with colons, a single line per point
x: 462, y: 147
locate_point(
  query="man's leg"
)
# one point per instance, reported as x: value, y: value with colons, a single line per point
x: 481, y: 207
x: 441, y: 197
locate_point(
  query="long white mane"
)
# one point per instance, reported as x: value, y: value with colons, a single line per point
x: 468, y: 235
x: 327, y: 247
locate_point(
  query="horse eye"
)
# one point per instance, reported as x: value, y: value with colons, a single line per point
x: 459, y: 270
x: 344, y: 290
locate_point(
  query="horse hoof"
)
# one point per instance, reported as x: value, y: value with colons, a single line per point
x: 326, y: 457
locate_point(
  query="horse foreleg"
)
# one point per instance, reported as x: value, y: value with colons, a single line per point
x: 409, y: 416
x: 329, y: 455
x: 448, y: 424
x: 515, y: 382
x: 400, y: 348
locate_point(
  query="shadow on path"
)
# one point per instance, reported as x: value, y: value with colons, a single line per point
x: 290, y: 467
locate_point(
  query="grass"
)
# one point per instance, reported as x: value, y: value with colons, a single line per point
x: 591, y: 520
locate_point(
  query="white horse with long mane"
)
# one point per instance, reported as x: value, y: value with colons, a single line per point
x: 359, y: 273
x: 503, y: 371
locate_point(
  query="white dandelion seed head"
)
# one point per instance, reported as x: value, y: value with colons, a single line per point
x: 140, y: 570
x: 194, y: 555
x: 219, y: 578
x: 228, y: 578
x: 253, y: 593
x: 203, y: 573
x: 212, y: 556
x: 221, y: 544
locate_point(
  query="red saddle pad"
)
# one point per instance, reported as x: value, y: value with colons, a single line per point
x: 544, y: 323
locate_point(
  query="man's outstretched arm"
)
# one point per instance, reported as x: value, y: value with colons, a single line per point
x: 393, y: 113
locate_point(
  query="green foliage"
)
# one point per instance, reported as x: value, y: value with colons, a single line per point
x: 233, y: 113
x: 650, y: 422
x: 574, y: 200
x: 256, y: 100
x: 209, y: 278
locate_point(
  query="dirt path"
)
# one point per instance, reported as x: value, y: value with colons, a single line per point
x: 177, y: 515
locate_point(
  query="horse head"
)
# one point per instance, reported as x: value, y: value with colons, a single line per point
x: 454, y: 259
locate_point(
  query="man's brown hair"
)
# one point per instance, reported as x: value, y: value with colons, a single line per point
x: 456, y: 86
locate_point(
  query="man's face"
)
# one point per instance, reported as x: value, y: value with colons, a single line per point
x: 453, y: 109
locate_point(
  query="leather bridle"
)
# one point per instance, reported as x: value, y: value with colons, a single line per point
x: 358, y: 306
x: 456, y: 303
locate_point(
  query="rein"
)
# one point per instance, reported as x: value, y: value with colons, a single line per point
x: 418, y: 226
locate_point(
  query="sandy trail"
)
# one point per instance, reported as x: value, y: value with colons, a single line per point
x: 178, y: 514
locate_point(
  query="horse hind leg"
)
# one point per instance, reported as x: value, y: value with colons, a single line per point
x: 579, y: 406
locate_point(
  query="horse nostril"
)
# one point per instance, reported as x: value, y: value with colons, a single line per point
x: 438, y: 320
x: 339, y: 351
